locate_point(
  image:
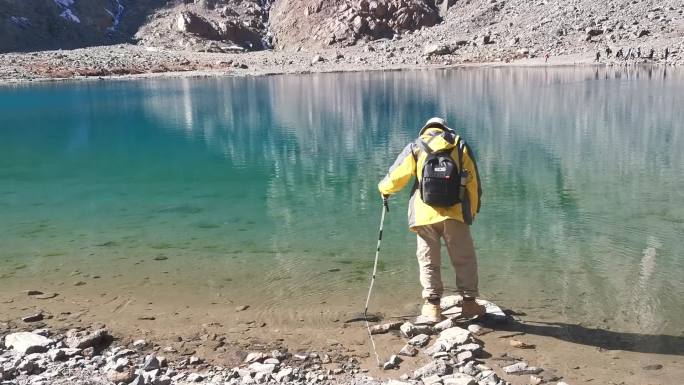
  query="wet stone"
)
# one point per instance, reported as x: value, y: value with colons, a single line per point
x: 384, y: 328
x: 408, y: 351
x: 408, y: 330
x: 420, y: 340
x: 46, y: 296
x: 33, y: 318
x: 392, y: 363
x: 521, y: 368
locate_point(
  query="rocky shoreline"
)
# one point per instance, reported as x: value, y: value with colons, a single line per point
x: 220, y: 38
x: 453, y: 354
x: 134, y: 62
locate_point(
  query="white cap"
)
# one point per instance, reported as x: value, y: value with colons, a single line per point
x: 435, y: 122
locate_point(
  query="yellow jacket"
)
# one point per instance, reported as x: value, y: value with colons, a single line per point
x: 410, y: 163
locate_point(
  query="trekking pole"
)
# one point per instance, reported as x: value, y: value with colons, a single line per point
x: 385, y: 209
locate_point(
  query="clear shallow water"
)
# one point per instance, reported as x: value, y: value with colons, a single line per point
x: 264, y: 185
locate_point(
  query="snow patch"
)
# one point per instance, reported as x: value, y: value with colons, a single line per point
x: 70, y: 16
x: 20, y: 21
x: 67, y: 13
x: 115, y: 14
x: 64, y: 3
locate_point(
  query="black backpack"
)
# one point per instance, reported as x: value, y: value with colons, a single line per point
x: 440, y: 185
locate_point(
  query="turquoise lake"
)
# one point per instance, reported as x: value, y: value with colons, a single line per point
x: 267, y: 186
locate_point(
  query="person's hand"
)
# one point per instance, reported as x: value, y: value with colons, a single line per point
x: 385, y: 201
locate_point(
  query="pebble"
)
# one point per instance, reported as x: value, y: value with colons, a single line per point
x: 392, y: 363
x: 46, y: 296
x: 384, y: 328
x: 520, y: 345
x: 241, y: 308
x: 521, y: 368
x: 122, y: 365
x: 194, y: 360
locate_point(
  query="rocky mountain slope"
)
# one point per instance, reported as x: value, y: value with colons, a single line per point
x: 452, y: 30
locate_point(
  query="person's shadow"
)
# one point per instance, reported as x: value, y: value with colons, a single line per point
x: 606, y: 339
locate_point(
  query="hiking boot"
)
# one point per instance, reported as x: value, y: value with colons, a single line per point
x: 470, y: 308
x: 431, y: 313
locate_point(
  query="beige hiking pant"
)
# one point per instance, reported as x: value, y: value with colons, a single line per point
x: 461, y: 250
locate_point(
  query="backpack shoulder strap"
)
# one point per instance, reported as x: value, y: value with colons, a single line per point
x: 460, y: 144
x: 424, y: 146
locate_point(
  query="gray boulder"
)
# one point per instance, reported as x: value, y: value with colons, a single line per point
x: 438, y: 49
x: 437, y: 367
x: 83, y: 339
x: 27, y: 343
x: 262, y: 368
x: 448, y: 339
x: 63, y: 354
x: 151, y: 363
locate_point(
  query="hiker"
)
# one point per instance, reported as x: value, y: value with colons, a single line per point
x: 651, y: 53
x: 598, y: 56
x: 445, y: 199
x: 667, y: 53
x: 608, y: 52
x: 639, y: 52
x: 546, y: 58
